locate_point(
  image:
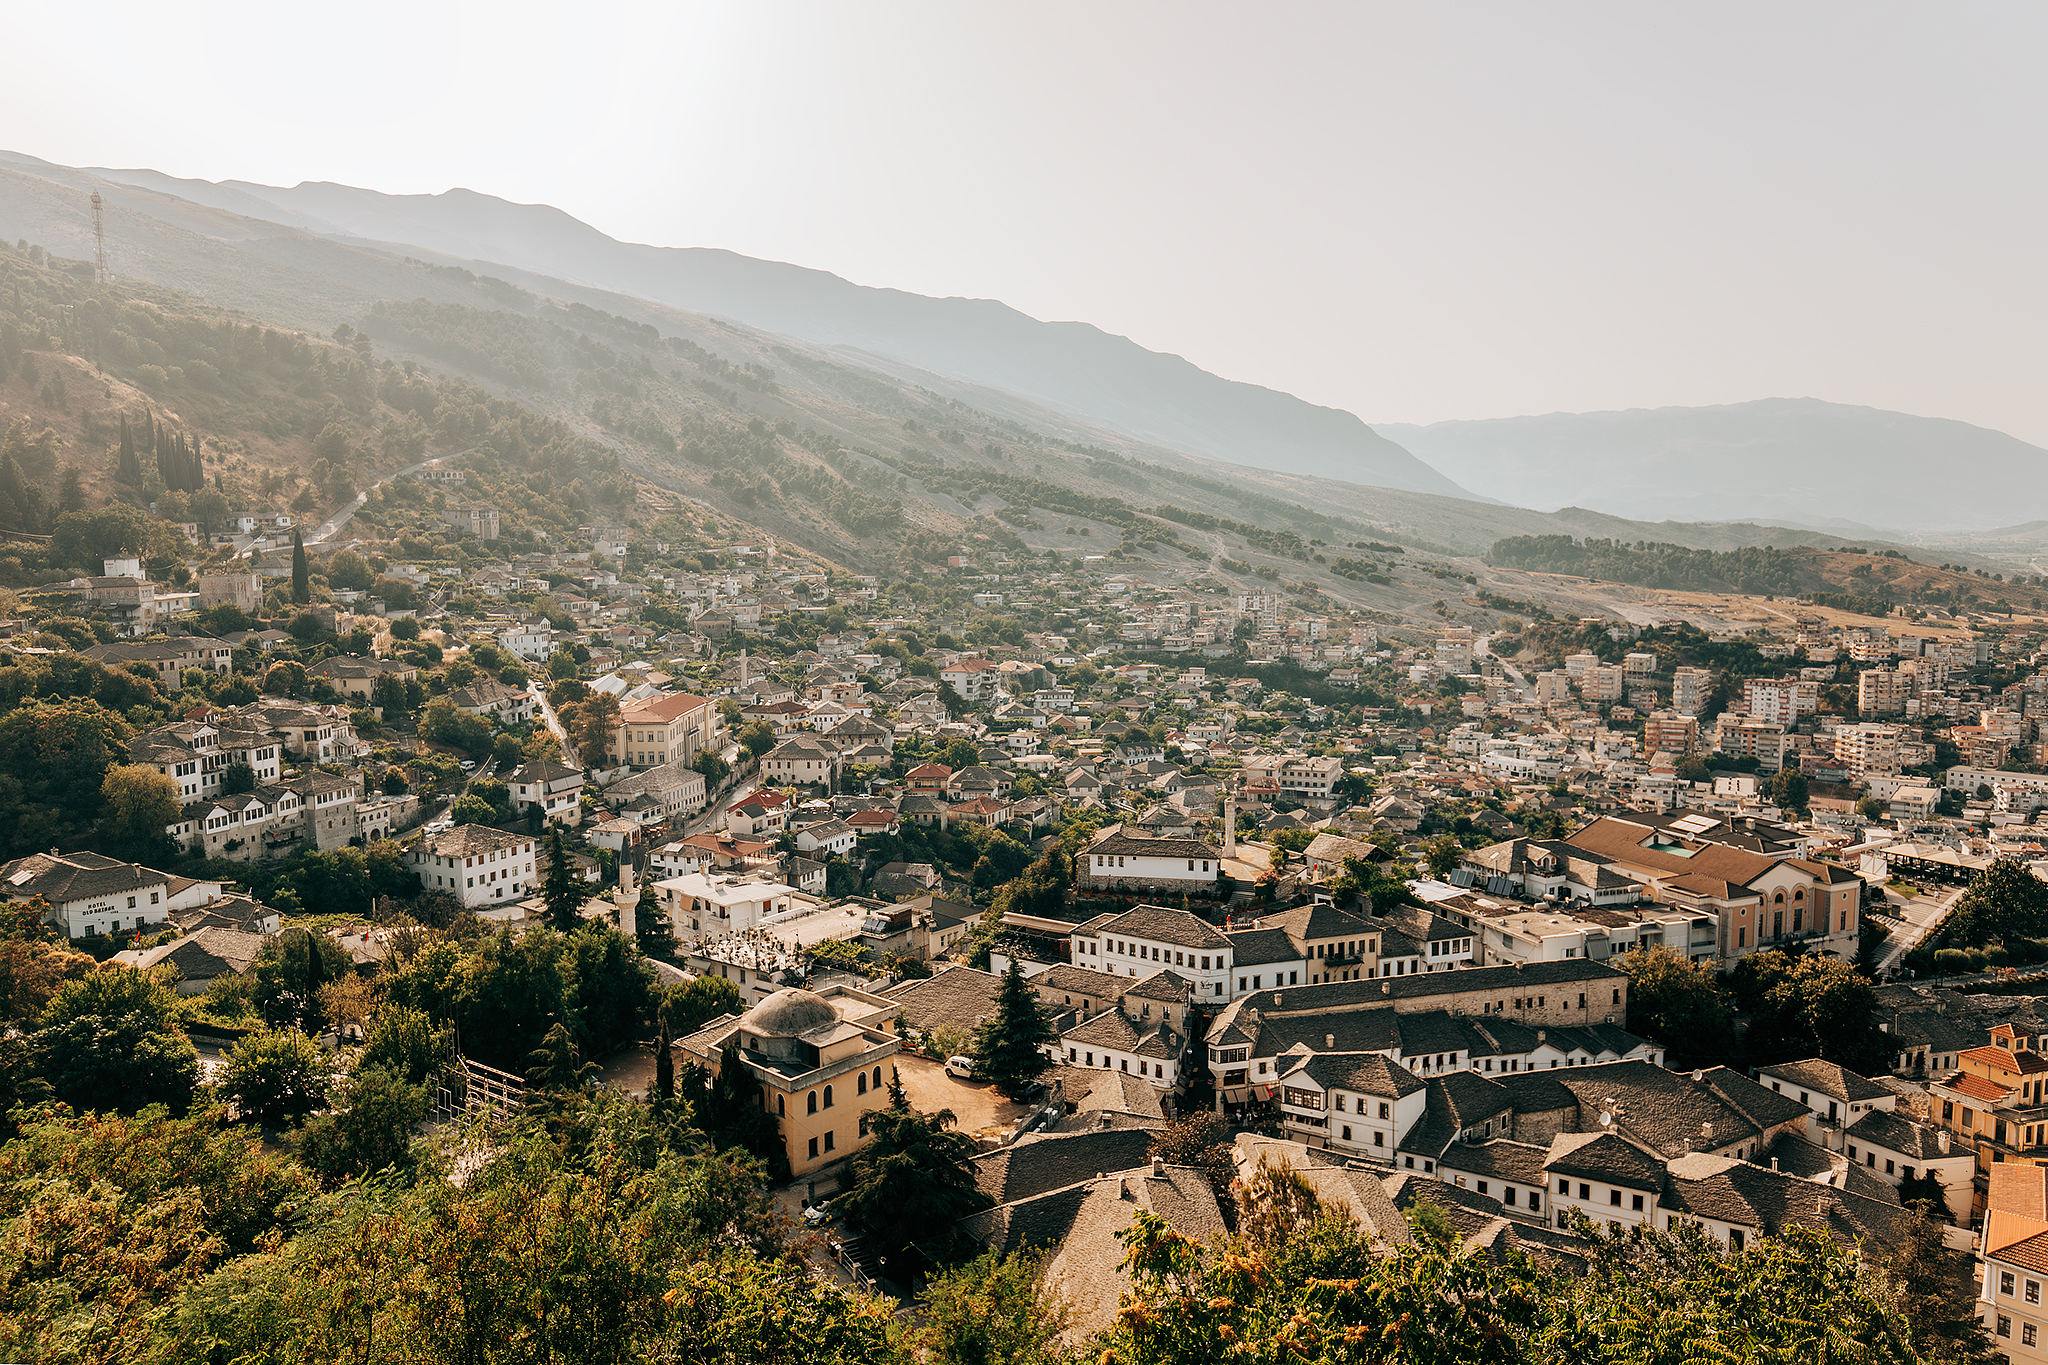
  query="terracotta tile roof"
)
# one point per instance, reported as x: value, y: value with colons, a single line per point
x: 1977, y: 1088
x: 2016, y: 1240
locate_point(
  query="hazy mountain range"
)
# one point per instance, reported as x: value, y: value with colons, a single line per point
x: 1798, y: 460
x: 1070, y: 366
x: 1837, y: 469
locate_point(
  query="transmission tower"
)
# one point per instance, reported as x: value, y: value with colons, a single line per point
x: 99, y: 241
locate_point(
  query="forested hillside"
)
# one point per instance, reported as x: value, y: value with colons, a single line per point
x: 1854, y: 579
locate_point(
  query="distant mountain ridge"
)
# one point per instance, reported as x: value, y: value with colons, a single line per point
x: 1071, y: 366
x: 1799, y: 460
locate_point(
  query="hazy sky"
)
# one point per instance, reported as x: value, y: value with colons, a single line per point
x: 1415, y: 212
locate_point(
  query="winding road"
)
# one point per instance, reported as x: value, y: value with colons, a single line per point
x: 341, y: 518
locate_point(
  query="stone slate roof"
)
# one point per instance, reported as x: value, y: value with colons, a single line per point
x: 953, y: 997
x: 1519, y: 1163
x: 1604, y: 1156
x: 1257, y: 947
x: 1747, y: 1195
x: 1824, y: 1078
x: 1161, y: 925
x: 62, y: 878
x: 1039, y: 1163
x: 1365, y: 1075
x: 1894, y: 1132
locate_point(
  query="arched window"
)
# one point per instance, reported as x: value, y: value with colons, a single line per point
x: 862, y: 1087
x: 813, y: 1105
x: 878, y: 1078
x: 1778, y: 899
x: 1798, y: 894
x: 828, y: 1097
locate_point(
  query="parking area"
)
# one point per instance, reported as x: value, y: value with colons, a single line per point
x: 980, y: 1108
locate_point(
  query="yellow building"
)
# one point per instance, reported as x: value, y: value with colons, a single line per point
x: 823, y: 1062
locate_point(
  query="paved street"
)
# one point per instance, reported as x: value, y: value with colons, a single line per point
x: 1918, y: 917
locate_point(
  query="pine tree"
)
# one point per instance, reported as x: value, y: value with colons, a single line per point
x: 561, y: 888
x: 1010, y: 1045
x: 302, y: 577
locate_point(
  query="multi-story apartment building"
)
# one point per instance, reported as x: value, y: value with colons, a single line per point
x: 1883, y: 691
x: 1603, y: 683
x: 1763, y: 740
x: 1780, y: 699
x: 1667, y: 732
x: 1867, y: 749
x: 1690, y: 688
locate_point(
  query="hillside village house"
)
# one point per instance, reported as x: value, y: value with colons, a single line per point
x: 1116, y: 860
x: 553, y: 787
x: 88, y: 893
x: 481, y: 866
x: 673, y: 727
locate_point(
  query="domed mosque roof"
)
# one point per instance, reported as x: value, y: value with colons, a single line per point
x: 790, y: 1013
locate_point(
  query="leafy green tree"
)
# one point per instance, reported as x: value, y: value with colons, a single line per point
x: 557, y: 1063
x: 237, y: 778
x: 404, y: 1043
x: 2005, y: 903
x: 1443, y: 853
x: 700, y: 1001
x: 369, y: 1128
x: 1202, y: 1140
x: 110, y: 1041
x: 993, y: 1310
x: 712, y: 766
x: 140, y: 803
x: 289, y: 974
x: 276, y: 1077
x: 757, y: 738
x: 471, y: 809
x: 562, y: 887
x: 1680, y: 1004
x: 1790, y: 789
x: 1933, y: 1289
x: 912, y: 1184
x: 734, y: 1117
x: 1010, y: 1045
x: 302, y: 577
x: 1803, y: 1006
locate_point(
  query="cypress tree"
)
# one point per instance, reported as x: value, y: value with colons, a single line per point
x: 1010, y: 1044
x: 131, y: 470
x: 302, y: 578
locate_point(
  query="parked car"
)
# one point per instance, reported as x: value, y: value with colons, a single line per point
x: 819, y: 1213
x: 963, y: 1067
x: 469, y: 765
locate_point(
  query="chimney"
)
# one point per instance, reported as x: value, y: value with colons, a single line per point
x: 1941, y: 1141
x: 1330, y: 1042
x: 1276, y: 1000
x: 1698, y: 1076
x: 1386, y: 988
x: 1103, y: 1120
x: 1158, y: 1167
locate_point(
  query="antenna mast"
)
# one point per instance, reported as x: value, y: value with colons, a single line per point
x: 99, y: 241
